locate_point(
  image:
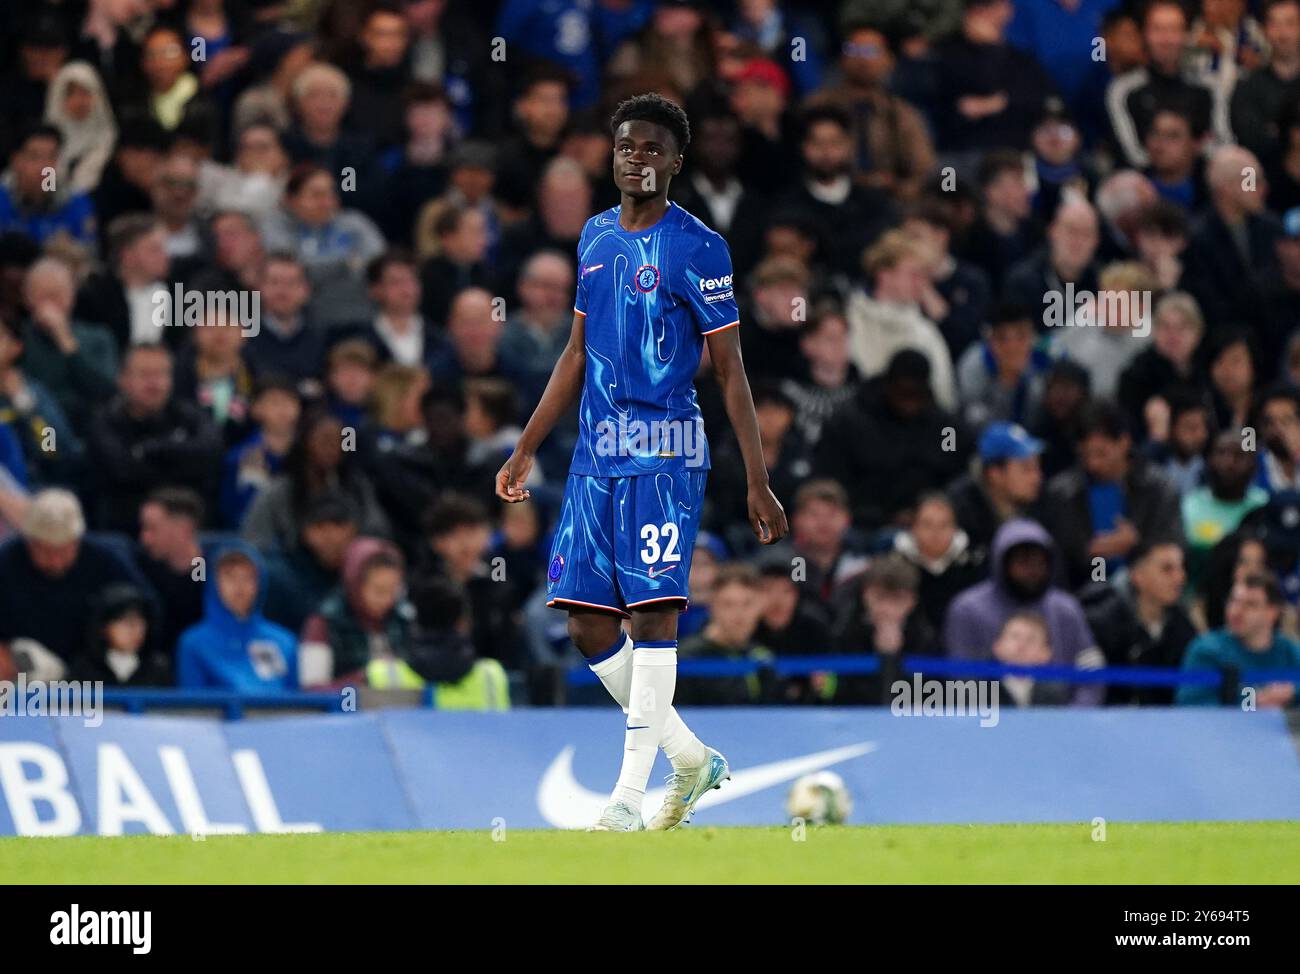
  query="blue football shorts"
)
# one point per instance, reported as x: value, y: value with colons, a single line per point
x: 624, y: 542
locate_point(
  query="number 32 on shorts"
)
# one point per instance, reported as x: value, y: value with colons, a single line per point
x: 660, y: 543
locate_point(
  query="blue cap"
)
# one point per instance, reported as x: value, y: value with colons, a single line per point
x: 1007, y: 441
x: 1291, y: 222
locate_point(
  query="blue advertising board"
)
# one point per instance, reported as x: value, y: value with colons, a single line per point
x: 421, y: 769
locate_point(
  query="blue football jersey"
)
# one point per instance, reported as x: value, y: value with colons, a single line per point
x: 648, y: 298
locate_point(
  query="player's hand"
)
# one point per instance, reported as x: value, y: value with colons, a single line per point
x: 511, y: 477
x: 766, y: 515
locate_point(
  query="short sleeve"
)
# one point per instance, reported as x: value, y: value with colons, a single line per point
x: 580, y: 288
x: 709, y: 289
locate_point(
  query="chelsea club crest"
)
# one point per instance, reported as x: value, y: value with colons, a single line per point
x: 647, y: 278
x: 557, y: 566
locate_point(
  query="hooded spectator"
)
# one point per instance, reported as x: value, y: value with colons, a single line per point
x: 234, y: 646
x: 117, y: 651
x: 78, y: 106
x: 366, y: 622
x: 1021, y: 568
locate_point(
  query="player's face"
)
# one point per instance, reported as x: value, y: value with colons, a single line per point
x: 645, y: 159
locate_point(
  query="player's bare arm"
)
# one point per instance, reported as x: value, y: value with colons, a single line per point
x: 766, y: 515
x: 562, y: 391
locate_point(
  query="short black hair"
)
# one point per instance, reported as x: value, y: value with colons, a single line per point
x: 1151, y: 5
x: 123, y: 231
x: 179, y: 502
x: 497, y: 398
x: 276, y: 382
x: 454, y: 511
x: 1187, y: 399
x: 40, y: 130
x: 1117, y: 16
x: 1279, y: 390
x: 996, y: 162
x: 1166, y: 218
x: 1102, y: 418
x: 1011, y: 314
x: 1197, y: 126
x: 394, y: 255
x: 439, y: 602
x: 450, y: 394
x: 768, y: 393
x: 658, y: 110
x: 824, y: 112
x: 1147, y: 546
x: 1267, y: 583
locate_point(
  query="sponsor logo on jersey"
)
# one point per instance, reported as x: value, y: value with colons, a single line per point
x: 716, y: 289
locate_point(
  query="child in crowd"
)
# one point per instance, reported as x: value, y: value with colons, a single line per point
x: 1025, y: 641
x: 115, y: 654
x: 235, y: 647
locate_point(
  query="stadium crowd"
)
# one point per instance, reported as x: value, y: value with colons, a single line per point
x: 1019, y: 286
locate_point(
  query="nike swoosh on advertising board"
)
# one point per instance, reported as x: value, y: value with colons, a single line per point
x: 566, y: 804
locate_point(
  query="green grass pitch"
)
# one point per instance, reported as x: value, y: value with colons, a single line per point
x: 1209, y: 852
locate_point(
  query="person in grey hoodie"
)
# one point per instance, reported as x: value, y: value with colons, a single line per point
x: 1022, y: 562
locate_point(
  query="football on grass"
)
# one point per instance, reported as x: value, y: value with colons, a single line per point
x: 819, y: 798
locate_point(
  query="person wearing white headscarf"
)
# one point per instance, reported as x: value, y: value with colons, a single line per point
x: 78, y: 106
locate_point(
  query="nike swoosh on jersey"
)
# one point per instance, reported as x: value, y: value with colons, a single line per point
x: 655, y: 574
x: 588, y: 270
x: 566, y: 804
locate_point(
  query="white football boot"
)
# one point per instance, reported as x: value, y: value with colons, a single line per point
x: 686, y: 787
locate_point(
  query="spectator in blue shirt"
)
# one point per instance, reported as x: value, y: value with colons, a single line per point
x: 34, y: 201
x: 1249, y: 641
x: 1062, y: 35
x: 576, y: 35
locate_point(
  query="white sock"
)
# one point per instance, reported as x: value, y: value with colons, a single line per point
x: 614, y: 668
x: 654, y: 678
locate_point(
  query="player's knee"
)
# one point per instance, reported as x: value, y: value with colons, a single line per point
x: 591, y: 633
x: 655, y: 624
